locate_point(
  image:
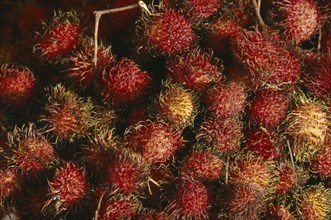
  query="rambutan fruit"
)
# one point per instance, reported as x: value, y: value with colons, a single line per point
x: 243, y: 202
x: 125, y: 83
x: 11, y: 183
x: 220, y: 32
x: 168, y: 32
x: 128, y: 172
x: 33, y: 153
x: 308, y: 125
x: 155, y: 141
x: 118, y: 206
x: 279, y: 212
x: 195, y: 69
x: 321, y: 162
x: 253, y: 171
x: 223, y: 136
x: 60, y: 37
x: 268, y: 63
x: 67, y: 188
x: 263, y: 143
x: 203, y: 166
x: 177, y: 106
x: 80, y: 65
x: 314, y: 203
x: 17, y: 84
x: 191, y: 202
x: 225, y: 100
x: 67, y: 116
x: 268, y: 108
x: 289, y: 177
x: 104, y: 117
x: 317, y: 77
x: 299, y: 19
x: 198, y: 10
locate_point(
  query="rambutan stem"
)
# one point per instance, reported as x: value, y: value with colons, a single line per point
x: 319, y: 40
x: 257, y: 6
x: 98, y: 15
x: 96, y: 215
x: 149, y: 179
x: 227, y: 169
x: 292, y: 160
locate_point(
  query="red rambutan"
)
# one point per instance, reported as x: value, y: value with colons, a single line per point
x: 60, y: 37
x: 68, y: 187
x: 322, y: 161
x: 155, y: 141
x: 125, y: 83
x: 11, y: 183
x: 268, y: 108
x: 201, y: 9
x: 17, y: 84
x: 196, y: 69
x: 225, y: 100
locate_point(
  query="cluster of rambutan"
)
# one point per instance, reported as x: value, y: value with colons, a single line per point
x: 165, y: 110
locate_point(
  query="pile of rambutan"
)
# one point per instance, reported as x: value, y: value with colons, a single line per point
x: 165, y: 110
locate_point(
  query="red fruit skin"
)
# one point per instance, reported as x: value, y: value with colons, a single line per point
x: 220, y: 32
x: 201, y: 9
x: 268, y: 108
x: 128, y: 172
x: 81, y: 68
x: 125, y: 83
x: 268, y: 63
x: 263, y: 143
x: 119, y: 207
x: 10, y: 183
x: 322, y: 161
x: 17, y: 84
x: 225, y: 100
x: 68, y: 187
x: 299, y: 19
x: 60, y: 38
x: 169, y: 32
x: 155, y: 141
x: 279, y: 212
x: 202, y: 166
x: 192, y: 201
x: 32, y: 152
x: 196, y: 69
x: 286, y: 179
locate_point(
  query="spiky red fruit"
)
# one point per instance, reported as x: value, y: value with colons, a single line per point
x: 225, y: 100
x: 267, y: 62
x: 17, y: 84
x: 322, y: 161
x: 203, y: 166
x: 263, y: 143
x: 220, y: 32
x: 169, y: 32
x: 268, y: 108
x: 318, y: 76
x: 196, y: 69
x: 191, y: 202
x: 125, y: 83
x: 10, y: 183
x: 279, y: 212
x: 128, y: 172
x: 224, y: 136
x: 154, y: 216
x: 67, y: 116
x: 177, y: 106
x: 81, y: 68
x: 119, y: 207
x: 155, y: 141
x: 286, y: 178
x: 60, y: 37
x: 243, y: 202
x: 68, y: 187
x: 299, y: 19
x: 314, y: 203
x: 253, y: 171
x: 201, y: 9
x: 33, y: 153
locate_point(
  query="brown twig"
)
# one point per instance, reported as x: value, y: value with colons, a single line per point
x: 319, y: 40
x: 257, y: 6
x: 96, y: 215
x: 292, y: 160
x: 227, y: 169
